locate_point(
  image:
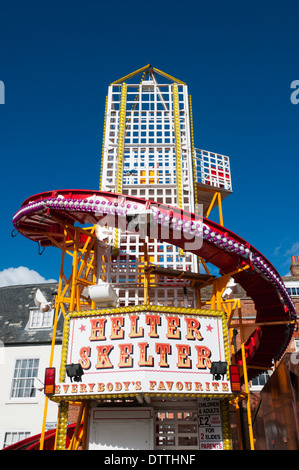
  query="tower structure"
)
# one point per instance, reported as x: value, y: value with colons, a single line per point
x: 148, y: 152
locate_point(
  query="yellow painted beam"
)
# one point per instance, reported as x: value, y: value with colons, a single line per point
x: 178, y: 150
x: 120, y: 155
x: 193, y: 155
x: 103, y: 145
x: 170, y: 77
x: 130, y: 75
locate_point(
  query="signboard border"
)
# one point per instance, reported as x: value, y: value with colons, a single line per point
x: 188, y: 312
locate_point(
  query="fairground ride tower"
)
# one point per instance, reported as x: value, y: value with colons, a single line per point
x: 148, y: 152
x: 151, y: 363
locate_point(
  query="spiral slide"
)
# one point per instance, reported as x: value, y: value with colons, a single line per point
x: 275, y: 313
x: 33, y: 442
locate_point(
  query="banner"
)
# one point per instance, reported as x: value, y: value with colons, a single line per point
x: 210, y: 425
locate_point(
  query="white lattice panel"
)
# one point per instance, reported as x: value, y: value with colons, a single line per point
x: 155, y: 118
x: 213, y: 169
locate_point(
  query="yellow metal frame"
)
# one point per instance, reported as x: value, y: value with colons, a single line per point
x: 178, y: 151
x: 226, y: 431
x: 121, y: 138
x: 103, y: 144
x: 170, y: 77
x: 193, y: 155
x: 120, y: 157
x: 215, y: 199
x: 130, y: 75
x: 80, y: 432
x: 61, y: 430
x: 147, y: 68
x: 70, y: 299
x: 230, y: 307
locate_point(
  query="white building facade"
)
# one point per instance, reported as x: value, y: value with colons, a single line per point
x: 26, y: 324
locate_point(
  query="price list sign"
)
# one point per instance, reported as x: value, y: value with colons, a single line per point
x: 209, y: 424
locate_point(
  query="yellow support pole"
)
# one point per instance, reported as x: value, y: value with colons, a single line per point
x: 178, y: 150
x: 145, y: 69
x: 84, y: 431
x: 198, y: 298
x: 170, y: 77
x: 120, y: 155
x: 249, y: 418
x: 103, y: 146
x: 218, y: 303
x: 130, y: 75
x: 42, y: 437
x: 77, y: 436
x: 62, y: 425
x: 121, y: 138
x: 57, y: 306
x: 73, y: 300
x: 220, y: 209
x: 146, y: 275
x: 219, y: 286
x: 93, y: 305
x: 80, y: 261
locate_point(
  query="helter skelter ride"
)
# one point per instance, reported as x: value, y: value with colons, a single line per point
x: 138, y: 333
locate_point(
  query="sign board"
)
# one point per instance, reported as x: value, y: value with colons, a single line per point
x: 209, y: 424
x: 145, y: 349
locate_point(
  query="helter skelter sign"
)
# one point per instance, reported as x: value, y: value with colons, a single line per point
x: 149, y: 350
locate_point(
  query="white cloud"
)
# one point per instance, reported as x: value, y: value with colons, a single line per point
x: 21, y: 275
x: 285, y: 251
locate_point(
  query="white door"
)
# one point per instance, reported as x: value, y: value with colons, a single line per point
x: 121, y: 429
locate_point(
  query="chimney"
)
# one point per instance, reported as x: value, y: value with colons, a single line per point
x: 294, y: 268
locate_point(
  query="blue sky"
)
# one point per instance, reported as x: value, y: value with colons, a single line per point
x: 238, y: 59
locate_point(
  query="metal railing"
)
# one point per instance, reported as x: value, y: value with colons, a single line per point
x: 213, y: 169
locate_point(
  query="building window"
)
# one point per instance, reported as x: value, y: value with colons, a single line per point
x: 292, y: 288
x: 293, y: 291
x: 15, y: 436
x: 176, y: 430
x: 25, y: 372
x: 258, y: 382
x: 39, y: 319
